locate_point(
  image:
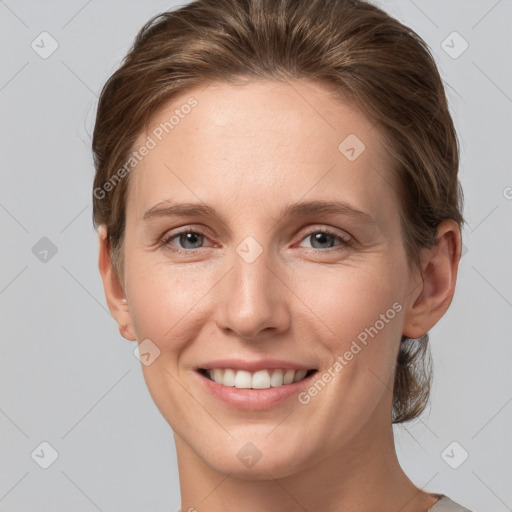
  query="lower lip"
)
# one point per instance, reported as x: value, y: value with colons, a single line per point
x: 253, y: 399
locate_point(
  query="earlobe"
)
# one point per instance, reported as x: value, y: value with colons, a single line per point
x: 114, y: 293
x: 438, y: 274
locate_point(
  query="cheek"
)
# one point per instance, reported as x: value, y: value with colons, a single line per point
x: 350, y: 299
x: 360, y: 312
x: 166, y: 310
x: 165, y: 301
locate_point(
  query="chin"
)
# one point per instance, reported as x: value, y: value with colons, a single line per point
x: 257, y: 457
x: 268, y: 467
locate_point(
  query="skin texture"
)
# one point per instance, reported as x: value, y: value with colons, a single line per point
x: 248, y: 151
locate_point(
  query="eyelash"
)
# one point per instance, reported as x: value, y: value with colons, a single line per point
x: 345, y: 243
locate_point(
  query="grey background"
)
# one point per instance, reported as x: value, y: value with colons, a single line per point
x: 68, y: 378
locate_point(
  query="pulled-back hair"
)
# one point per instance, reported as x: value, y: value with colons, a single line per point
x: 372, y: 60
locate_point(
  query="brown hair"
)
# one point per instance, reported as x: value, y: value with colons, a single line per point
x: 372, y: 59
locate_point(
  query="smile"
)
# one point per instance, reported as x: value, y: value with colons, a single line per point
x: 261, y: 379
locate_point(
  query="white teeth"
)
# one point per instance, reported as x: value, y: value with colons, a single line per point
x: 262, y: 379
x: 217, y: 375
x: 226, y: 377
x: 277, y: 378
x: 288, y: 376
x: 243, y: 379
x: 299, y: 375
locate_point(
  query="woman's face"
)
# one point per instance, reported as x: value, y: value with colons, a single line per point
x: 267, y: 281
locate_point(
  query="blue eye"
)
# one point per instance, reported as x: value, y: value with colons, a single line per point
x: 320, y: 237
x: 186, y: 237
x: 189, y: 240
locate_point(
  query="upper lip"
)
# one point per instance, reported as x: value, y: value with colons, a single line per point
x: 252, y: 366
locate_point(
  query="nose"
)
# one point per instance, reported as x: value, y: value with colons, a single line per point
x: 252, y: 301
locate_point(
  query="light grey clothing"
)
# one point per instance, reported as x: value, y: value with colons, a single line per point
x: 445, y: 504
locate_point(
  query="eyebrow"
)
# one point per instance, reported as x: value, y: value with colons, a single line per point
x: 301, y: 209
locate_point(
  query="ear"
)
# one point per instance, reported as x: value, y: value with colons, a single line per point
x: 114, y: 292
x: 433, y: 295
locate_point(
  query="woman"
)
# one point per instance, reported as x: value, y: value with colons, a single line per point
x: 256, y: 131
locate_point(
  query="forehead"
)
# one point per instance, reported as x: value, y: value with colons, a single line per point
x: 261, y: 144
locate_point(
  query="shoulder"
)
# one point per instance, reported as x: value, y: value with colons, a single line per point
x: 445, y: 504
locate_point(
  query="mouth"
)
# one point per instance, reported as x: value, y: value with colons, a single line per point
x: 261, y: 379
x: 254, y: 385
